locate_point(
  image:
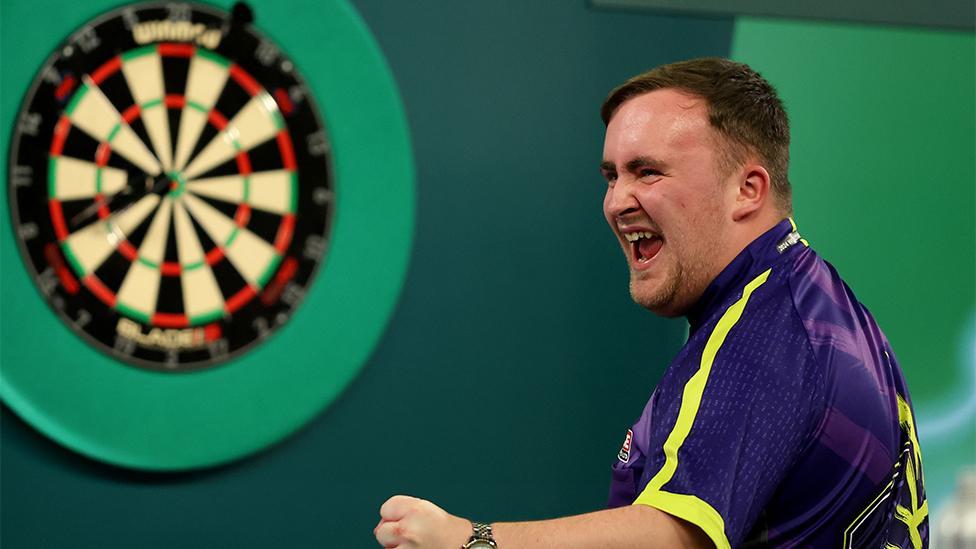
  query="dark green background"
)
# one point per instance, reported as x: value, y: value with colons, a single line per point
x: 515, y: 361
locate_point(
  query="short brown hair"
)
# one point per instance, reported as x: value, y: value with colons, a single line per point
x: 742, y: 106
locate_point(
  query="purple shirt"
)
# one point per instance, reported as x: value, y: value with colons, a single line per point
x: 785, y: 419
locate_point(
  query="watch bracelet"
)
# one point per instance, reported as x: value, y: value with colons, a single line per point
x: 482, y: 530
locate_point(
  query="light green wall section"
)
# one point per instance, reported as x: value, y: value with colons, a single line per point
x: 883, y: 159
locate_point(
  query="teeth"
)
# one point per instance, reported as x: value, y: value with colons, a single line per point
x: 634, y: 237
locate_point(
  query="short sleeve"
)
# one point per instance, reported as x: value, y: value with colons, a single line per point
x: 737, y: 422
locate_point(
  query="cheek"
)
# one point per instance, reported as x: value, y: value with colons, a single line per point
x: 651, y: 201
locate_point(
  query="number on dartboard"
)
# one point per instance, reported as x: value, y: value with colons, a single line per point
x: 27, y: 231
x: 179, y: 12
x: 30, y: 123
x: 23, y: 176
x: 165, y: 175
x: 87, y: 39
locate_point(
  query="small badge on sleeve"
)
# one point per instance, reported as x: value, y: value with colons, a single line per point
x: 624, y: 454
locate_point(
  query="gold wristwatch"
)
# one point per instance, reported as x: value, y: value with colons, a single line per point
x: 481, y: 539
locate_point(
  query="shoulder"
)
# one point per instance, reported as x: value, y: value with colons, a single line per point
x: 764, y: 328
x: 764, y: 362
x: 754, y: 355
x: 832, y: 318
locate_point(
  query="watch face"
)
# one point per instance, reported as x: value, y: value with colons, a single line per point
x: 170, y: 185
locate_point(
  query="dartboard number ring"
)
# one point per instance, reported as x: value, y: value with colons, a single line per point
x: 170, y: 185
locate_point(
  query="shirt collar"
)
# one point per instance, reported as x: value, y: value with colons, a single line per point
x: 755, y: 258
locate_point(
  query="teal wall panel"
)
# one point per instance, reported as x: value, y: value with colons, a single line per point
x: 515, y: 354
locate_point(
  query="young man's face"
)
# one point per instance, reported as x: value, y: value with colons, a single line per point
x: 667, y: 201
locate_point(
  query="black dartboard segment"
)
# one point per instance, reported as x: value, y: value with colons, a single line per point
x: 170, y: 185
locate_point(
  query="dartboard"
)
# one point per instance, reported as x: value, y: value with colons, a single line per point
x: 171, y: 185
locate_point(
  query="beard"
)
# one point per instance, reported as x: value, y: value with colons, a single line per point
x: 683, y: 282
x: 659, y: 299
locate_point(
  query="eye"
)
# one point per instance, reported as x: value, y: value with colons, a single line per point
x: 647, y: 172
x: 611, y: 177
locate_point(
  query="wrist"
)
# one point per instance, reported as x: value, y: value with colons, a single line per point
x: 481, y: 537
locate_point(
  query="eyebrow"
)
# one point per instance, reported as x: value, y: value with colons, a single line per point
x: 634, y: 164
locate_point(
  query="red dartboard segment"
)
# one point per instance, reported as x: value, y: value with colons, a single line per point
x: 272, y: 291
x: 242, y: 216
x: 243, y: 163
x: 239, y: 299
x: 285, y: 231
x: 67, y: 279
x: 57, y: 220
x: 218, y: 120
x: 214, y: 256
x: 103, y: 211
x: 168, y: 49
x: 169, y: 320
x: 128, y: 251
x: 288, y: 268
x: 174, y: 101
x: 131, y: 113
x: 102, y: 154
x: 53, y: 255
x: 65, y: 87
x: 286, y: 150
x: 60, y: 134
x: 245, y: 80
x: 284, y: 102
x: 99, y: 290
x: 106, y: 70
x: 212, y: 332
x: 170, y: 268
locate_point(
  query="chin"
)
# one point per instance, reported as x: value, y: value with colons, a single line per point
x: 666, y: 310
x: 660, y: 301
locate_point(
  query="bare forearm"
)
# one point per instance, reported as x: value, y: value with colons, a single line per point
x: 632, y: 527
x: 412, y: 523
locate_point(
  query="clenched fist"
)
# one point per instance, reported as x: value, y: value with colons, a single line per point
x: 412, y: 523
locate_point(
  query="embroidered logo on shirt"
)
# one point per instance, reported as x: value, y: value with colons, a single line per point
x: 624, y: 454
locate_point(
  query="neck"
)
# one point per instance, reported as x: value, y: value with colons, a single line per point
x: 755, y: 256
x: 751, y: 228
x: 743, y: 232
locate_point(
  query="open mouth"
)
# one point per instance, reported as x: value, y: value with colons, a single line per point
x: 644, y: 245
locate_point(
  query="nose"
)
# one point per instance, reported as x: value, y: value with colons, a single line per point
x: 620, y: 200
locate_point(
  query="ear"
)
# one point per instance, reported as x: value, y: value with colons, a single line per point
x: 753, y: 191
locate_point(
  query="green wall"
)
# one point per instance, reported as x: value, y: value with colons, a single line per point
x: 884, y: 168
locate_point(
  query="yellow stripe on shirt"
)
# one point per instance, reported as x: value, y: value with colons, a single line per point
x: 802, y: 240
x: 689, y: 507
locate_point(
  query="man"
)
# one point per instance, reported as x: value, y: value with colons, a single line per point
x: 785, y: 419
